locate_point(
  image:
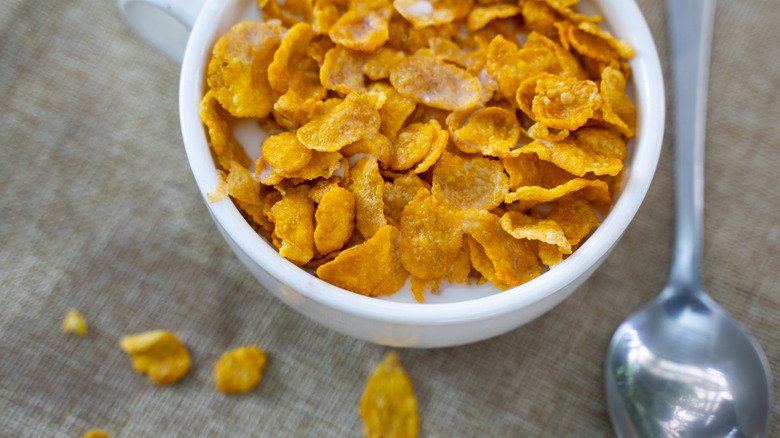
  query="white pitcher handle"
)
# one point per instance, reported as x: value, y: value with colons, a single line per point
x: 166, y: 24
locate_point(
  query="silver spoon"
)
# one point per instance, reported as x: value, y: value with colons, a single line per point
x: 682, y: 366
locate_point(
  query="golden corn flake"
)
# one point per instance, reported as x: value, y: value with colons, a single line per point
x: 335, y: 220
x: 96, y: 433
x: 461, y: 266
x: 300, y: 8
x: 342, y: 70
x: 574, y: 157
x: 376, y: 145
x: 392, y: 281
x: 388, y: 406
x: 285, y: 152
x: 324, y: 16
x: 601, y: 143
x: 361, y: 30
x: 295, y: 108
x: 357, y: 116
x: 435, y: 82
x: 400, y: 192
x: 432, y: 12
x: 395, y: 111
x: 480, y: 16
x: 616, y: 107
x: 564, y: 103
x: 239, y: 370
x: 413, y: 144
x: 219, y: 124
x: 291, y: 56
x: 366, y: 185
x: 540, y: 17
x: 362, y: 267
x: 241, y: 185
x: 529, y: 170
x: 74, y: 323
x: 577, y: 219
x: 158, y: 354
x: 522, y: 226
x: 481, y: 263
x: 469, y: 182
x: 490, y: 131
x: 237, y: 72
x: 438, y: 146
x: 430, y: 237
x: 596, y: 191
x: 513, y: 259
x: 272, y: 10
x: 378, y: 65
x: 539, y: 131
x: 595, y: 43
x: 293, y: 217
x: 510, y: 65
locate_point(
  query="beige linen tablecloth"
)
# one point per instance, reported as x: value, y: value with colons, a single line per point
x: 100, y: 212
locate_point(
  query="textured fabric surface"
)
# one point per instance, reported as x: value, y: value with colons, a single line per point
x: 100, y: 212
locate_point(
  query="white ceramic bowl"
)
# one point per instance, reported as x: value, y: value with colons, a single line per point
x: 411, y: 324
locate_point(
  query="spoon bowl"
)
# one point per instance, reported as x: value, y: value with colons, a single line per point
x: 683, y: 367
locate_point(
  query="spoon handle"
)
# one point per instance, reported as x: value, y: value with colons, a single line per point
x: 690, y: 24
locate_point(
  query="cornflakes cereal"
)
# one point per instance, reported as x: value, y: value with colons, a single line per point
x: 379, y: 64
x: 616, y: 107
x: 522, y: 226
x: 395, y: 111
x: 388, y: 406
x: 563, y: 103
x: 239, y: 370
x: 285, y: 152
x: 432, y: 12
x: 357, y: 116
x: 219, y: 124
x: 430, y: 237
x: 362, y: 268
x: 293, y: 217
x: 469, y: 182
x: 480, y: 16
x: 366, y: 185
x: 158, y: 354
x: 96, y: 433
x: 490, y: 131
x: 361, y: 30
x: 74, y: 323
x: 395, y: 147
x: 237, y: 72
x: 435, y: 82
x: 576, y: 218
x: 400, y: 192
x: 291, y: 56
x: 513, y: 259
x: 342, y: 70
x: 335, y: 220
x: 595, y: 191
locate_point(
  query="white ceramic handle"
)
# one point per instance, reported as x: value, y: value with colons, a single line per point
x: 166, y: 24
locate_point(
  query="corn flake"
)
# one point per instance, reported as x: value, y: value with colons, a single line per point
x: 395, y: 111
x: 490, y: 131
x: 469, y: 182
x: 219, y: 124
x: 357, y: 116
x: 434, y: 82
x: 291, y: 56
x: 96, y: 433
x: 522, y: 226
x: 367, y: 186
x: 239, y: 370
x: 564, y: 103
x: 481, y: 263
x: 480, y: 16
x: 400, y: 192
x: 513, y: 259
x: 361, y: 268
x: 574, y: 157
x: 74, y: 323
x: 375, y: 145
x: 576, y: 217
x: 596, y: 191
x: 293, y: 217
x: 430, y: 237
x: 237, y: 72
x: 285, y: 152
x: 432, y: 12
x: 158, y: 354
x: 335, y: 219
x: 616, y: 107
x: 365, y: 30
x: 378, y: 65
x: 388, y: 406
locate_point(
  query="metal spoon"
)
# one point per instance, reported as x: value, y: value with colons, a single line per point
x: 682, y: 366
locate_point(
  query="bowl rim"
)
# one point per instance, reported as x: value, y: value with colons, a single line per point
x: 625, y: 21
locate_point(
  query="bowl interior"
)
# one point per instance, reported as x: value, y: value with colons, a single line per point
x: 621, y: 17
